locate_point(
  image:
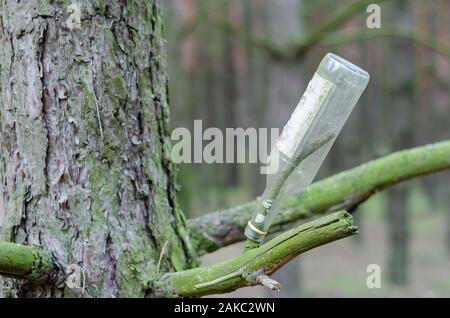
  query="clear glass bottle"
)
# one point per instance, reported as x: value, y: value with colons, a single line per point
x: 308, y: 136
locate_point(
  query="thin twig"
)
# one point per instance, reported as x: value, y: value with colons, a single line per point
x: 97, y: 108
x: 98, y: 115
x: 163, y: 250
x: 220, y: 279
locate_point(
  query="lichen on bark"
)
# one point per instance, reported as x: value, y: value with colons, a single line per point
x: 85, y: 169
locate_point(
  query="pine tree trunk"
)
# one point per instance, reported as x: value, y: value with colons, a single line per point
x: 84, y: 164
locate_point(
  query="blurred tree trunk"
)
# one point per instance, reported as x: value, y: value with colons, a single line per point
x: 399, y: 232
x: 257, y: 78
x: 185, y: 81
x: 442, y: 104
x: 425, y: 91
x: 234, y: 73
x: 348, y: 150
x: 284, y: 89
x: 432, y: 92
x: 85, y: 163
x: 401, y: 111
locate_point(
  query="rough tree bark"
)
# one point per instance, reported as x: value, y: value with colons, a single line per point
x: 84, y: 162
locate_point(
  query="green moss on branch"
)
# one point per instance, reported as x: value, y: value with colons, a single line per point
x: 251, y: 267
x: 32, y: 263
x: 345, y: 190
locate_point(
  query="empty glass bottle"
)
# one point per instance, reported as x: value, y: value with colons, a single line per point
x: 309, y: 134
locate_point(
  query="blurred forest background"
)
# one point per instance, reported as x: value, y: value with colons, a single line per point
x: 246, y: 63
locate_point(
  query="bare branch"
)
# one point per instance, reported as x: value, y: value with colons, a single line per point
x: 325, y: 34
x: 427, y: 41
x: 335, y: 21
x: 298, y: 47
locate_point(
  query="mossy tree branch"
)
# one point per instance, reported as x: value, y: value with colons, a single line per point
x: 32, y: 263
x: 254, y: 266
x: 345, y: 190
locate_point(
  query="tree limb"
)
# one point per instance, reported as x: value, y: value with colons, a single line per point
x: 254, y: 266
x: 429, y: 42
x: 297, y: 48
x: 345, y: 190
x: 335, y: 21
x: 324, y: 34
x: 32, y: 263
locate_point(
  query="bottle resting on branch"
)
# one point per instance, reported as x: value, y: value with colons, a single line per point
x: 307, y: 137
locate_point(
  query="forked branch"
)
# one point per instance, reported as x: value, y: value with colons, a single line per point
x: 254, y: 266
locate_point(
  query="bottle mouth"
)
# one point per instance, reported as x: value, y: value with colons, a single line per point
x: 338, y: 69
x: 350, y: 66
